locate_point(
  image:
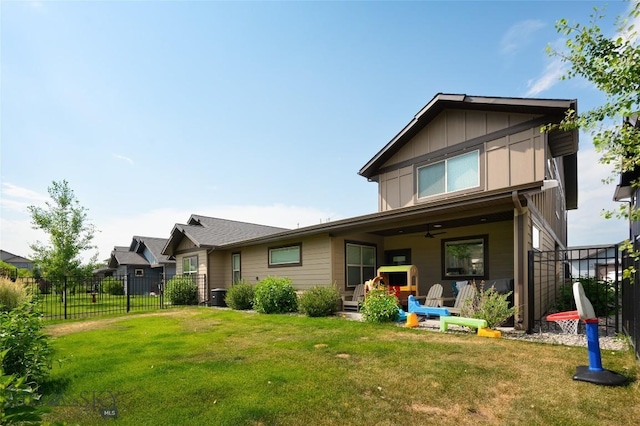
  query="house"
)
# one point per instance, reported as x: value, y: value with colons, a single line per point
x: 465, y: 190
x: 15, y: 260
x: 143, y: 262
x: 598, y: 261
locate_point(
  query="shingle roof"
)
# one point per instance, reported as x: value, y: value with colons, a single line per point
x: 210, y: 232
x: 122, y: 256
x: 155, y: 245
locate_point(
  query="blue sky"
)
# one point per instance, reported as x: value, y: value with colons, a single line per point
x: 254, y: 111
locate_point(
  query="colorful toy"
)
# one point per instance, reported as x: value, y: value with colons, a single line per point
x: 594, y: 373
x: 445, y: 321
x: 417, y: 308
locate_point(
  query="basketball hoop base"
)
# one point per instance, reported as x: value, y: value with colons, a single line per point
x: 601, y: 377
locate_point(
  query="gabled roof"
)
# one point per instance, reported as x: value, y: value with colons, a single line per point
x: 123, y: 256
x: 210, y: 232
x: 5, y: 256
x: 154, y: 245
x: 561, y: 143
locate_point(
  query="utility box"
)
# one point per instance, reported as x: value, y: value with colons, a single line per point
x: 217, y: 297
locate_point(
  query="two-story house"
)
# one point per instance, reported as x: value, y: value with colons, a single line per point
x: 465, y: 190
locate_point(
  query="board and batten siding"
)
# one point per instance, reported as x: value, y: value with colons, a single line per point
x: 315, y: 268
x: 507, y: 160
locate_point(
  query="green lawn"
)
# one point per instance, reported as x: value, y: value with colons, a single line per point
x: 197, y: 366
x: 84, y: 304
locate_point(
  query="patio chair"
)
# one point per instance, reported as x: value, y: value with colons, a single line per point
x: 434, y: 296
x: 352, y: 303
x: 467, y: 292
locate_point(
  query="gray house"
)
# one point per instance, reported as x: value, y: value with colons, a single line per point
x: 465, y: 190
x: 143, y: 262
x: 15, y: 260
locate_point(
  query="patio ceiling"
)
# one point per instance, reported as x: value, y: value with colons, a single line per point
x: 439, y: 225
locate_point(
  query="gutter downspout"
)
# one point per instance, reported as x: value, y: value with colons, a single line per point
x: 519, y: 278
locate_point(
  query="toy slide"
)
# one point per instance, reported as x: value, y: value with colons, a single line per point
x: 416, y: 308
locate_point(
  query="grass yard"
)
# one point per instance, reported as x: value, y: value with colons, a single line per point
x: 82, y: 304
x: 206, y: 366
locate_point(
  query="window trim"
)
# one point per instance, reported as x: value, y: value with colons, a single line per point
x: 485, y: 255
x: 196, y: 264
x: 138, y: 272
x: 445, y: 160
x: 346, y: 264
x: 239, y: 270
x: 284, y: 264
x: 536, y: 233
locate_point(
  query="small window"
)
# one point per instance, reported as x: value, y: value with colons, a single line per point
x: 235, y: 268
x: 190, y: 265
x: 139, y: 272
x: 285, y: 256
x: 535, y: 237
x: 360, y: 263
x: 465, y: 258
x: 453, y: 174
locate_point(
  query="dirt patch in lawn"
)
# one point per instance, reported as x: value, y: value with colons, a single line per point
x: 56, y: 330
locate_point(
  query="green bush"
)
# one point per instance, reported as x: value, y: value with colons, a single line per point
x: 18, y: 400
x: 490, y: 306
x: 182, y: 290
x: 12, y: 294
x: 240, y: 296
x: 113, y: 286
x: 379, y: 306
x: 319, y: 301
x: 275, y: 295
x: 601, y: 294
x: 28, y: 351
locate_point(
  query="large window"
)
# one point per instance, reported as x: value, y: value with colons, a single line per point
x: 235, y: 268
x: 190, y: 265
x: 453, y: 174
x: 465, y: 258
x: 285, y: 256
x: 361, y: 263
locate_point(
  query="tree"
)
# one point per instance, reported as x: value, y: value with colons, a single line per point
x: 612, y: 64
x: 70, y: 234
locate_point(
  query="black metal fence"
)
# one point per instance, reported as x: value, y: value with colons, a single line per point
x: 631, y: 303
x: 74, y: 297
x: 551, y: 278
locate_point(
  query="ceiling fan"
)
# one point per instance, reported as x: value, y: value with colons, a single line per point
x: 430, y: 234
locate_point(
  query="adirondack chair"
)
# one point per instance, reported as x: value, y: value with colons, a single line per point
x: 352, y: 303
x: 434, y: 296
x: 466, y: 292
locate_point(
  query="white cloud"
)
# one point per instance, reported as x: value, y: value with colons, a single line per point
x: 586, y: 225
x: 123, y: 158
x: 549, y: 78
x: 519, y: 35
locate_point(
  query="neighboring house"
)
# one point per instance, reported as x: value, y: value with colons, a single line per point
x: 462, y: 194
x: 15, y: 260
x: 143, y: 262
x: 597, y: 262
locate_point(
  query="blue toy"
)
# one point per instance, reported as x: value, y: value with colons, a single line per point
x: 416, y: 308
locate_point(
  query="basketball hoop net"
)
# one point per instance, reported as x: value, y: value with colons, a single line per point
x: 567, y: 321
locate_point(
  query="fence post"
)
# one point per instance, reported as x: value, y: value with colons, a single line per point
x: 64, y: 296
x: 530, y: 293
x: 128, y: 290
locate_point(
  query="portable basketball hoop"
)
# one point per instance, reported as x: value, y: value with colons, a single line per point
x: 567, y: 321
x: 593, y: 373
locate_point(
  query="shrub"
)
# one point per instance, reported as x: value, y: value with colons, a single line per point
x: 488, y: 305
x: 182, y: 290
x: 319, y: 301
x: 113, y: 286
x: 379, y: 306
x: 28, y: 351
x: 601, y: 294
x: 240, y: 296
x: 18, y: 400
x: 275, y: 295
x: 12, y: 294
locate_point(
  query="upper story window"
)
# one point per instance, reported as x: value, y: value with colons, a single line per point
x: 190, y: 265
x: 450, y: 175
x: 285, y: 256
